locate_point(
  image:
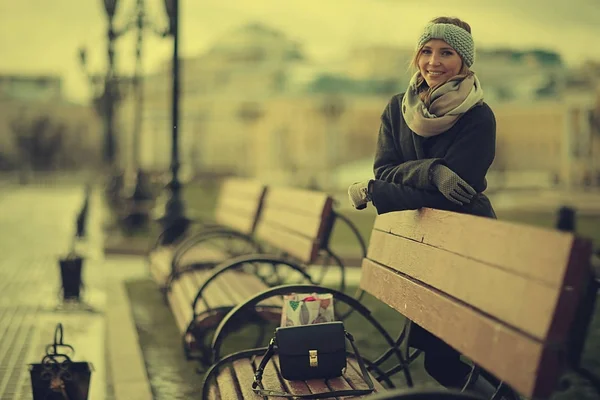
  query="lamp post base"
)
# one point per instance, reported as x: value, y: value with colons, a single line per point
x: 174, y: 222
x: 140, y: 203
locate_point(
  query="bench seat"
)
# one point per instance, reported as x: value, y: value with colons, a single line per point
x: 237, y: 210
x: 235, y: 379
x: 226, y: 291
x: 161, y: 258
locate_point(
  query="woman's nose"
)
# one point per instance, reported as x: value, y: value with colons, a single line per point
x: 434, y: 59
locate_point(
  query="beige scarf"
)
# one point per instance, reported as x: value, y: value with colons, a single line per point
x: 448, y: 102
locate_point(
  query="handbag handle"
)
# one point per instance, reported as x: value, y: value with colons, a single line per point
x: 258, y: 388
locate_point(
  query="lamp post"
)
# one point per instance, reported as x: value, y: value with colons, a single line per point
x: 110, y: 85
x: 138, y: 213
x: 105, y: 101
x: 174, y: 221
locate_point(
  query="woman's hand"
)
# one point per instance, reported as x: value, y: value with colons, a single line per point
x: 452, y: 186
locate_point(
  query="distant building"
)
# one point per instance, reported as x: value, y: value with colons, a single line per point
x: 221, y: 91
x: 30, y: 87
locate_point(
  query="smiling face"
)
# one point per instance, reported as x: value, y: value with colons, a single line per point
x: 438, y: 62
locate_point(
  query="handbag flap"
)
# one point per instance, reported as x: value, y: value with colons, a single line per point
x: 298, y: 340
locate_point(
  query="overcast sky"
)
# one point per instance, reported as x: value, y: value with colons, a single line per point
x: 42, y: 36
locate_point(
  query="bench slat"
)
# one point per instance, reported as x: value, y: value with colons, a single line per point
x: 227, y: 384
x: 241, y: 187
x: 295, y: 221
x: 298, y: 201
x: 294, y: 387
x: 213, y: 393
x: 239, y: 203
x: 245, y: 376
x: 177, y: 305
x: 160, y: 264
x: 510, y: 246
x: 212, y: 296
x: 295, y: 245
x: 243, y: 223
x: 202, y: 254
x: 301, y: 224
x: 354, y: 377
x: 270, y: 377
x: 474, y: 282
x: 488, y: 342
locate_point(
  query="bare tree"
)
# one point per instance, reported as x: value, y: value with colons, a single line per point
x: 39, y: 141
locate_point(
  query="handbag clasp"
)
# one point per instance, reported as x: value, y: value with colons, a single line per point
x: 313, y: 357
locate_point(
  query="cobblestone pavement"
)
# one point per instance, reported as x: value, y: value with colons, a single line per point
x: 36, y: 228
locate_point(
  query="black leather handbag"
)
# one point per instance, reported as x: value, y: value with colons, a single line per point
x: 306, y: 352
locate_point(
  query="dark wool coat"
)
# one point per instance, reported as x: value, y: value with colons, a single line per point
x: 402, y: 170
x: 403, y: 161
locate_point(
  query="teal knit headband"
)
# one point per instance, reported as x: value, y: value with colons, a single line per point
x: 455, y: 36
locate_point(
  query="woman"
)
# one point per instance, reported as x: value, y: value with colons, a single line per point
x: 435, y: 145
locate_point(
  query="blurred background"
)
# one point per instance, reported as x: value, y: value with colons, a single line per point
x: 286, y: 93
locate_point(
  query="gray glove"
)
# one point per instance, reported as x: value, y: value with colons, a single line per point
x: 452, y: 186
x: 358, y: 194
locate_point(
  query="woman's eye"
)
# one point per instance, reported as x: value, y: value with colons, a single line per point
x: 425, y: 51
x: 447, y: 53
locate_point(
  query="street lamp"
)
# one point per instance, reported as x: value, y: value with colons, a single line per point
x: 110, y: 87
x: 174, y: 221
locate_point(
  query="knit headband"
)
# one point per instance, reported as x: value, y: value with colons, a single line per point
x: 455, y: 36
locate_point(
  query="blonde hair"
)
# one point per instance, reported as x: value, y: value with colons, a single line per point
x: 422, y: 87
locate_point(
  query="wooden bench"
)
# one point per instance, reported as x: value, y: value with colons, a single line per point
x: 514, y: 299
x: 236, y: 214
x: 293, y: 230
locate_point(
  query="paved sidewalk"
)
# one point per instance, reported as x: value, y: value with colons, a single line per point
x: 37, y: 225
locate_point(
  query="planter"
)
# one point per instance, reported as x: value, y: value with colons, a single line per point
x: 70, y: 274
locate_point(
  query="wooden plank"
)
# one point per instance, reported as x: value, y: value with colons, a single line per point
x: 243, y: 223
x: 523, y: 362
x: 271, y: 380
x: 212, y: 296
x: 355, y: 379
x: 213, y: 392
x: 247, y: 187
x: 158, y: 274
x: 232, y: 283
x: 297, y: 246
x: 175, y: 300
x: 160, y: 264
x: 245, y: 376
x: 226, y: 381
x: 240, y: 204
x: 249, y: 191
x: 528, y: 307
x: 511, y: 246
x: 202, y: 254
x: 300, y: 201
x: 293, y: 387
x: 309, y: 226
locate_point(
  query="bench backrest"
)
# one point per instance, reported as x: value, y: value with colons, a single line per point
x: 296, y: 221
x: 503, y: 294
x: 239, y: 204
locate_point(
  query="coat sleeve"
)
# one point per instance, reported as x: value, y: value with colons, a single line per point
x: 390, y: 164
x: 470, y: 156
x: 474, y: 149
x: 389, y: 197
